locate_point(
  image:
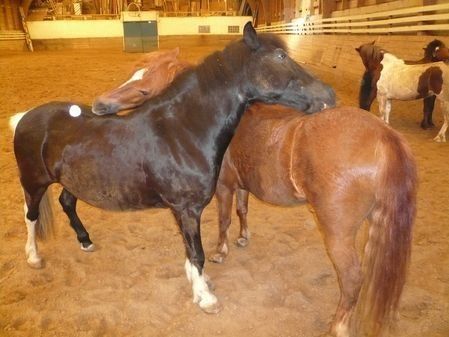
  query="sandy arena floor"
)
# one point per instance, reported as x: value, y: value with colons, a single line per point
x: 282, y: 284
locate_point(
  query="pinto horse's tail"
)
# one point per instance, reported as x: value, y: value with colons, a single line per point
x: 44, y: 225
x: 365, y: 96
x: 387, y: 252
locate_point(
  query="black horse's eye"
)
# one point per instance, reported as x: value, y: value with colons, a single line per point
x: 282, y: 55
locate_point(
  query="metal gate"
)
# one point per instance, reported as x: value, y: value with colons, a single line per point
x: 140, y: 31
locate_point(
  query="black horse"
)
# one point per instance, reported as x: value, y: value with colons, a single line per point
x: 167, y: 153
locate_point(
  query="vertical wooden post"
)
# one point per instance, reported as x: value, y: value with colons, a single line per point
x: 327, y: 8
x: 25, y: 29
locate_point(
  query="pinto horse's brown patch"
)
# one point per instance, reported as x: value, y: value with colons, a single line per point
x: 430, y: 82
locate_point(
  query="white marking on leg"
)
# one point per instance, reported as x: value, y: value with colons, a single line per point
x: 201, y: 292
x: 188, y: 268
x: 342, y: 327
x: 90, y: 248
x: 224, y: 249
x: 341, y: 330
x: 33, y: 258
x: 387, y: 111
x: 441, y: 137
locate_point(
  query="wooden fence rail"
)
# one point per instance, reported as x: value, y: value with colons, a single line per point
x: 407, y: 20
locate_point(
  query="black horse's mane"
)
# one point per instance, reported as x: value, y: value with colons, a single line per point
x: 216, y: 70
x: 223, y: 66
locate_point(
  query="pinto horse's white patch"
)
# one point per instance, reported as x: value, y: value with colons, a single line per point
x: 75, y: 111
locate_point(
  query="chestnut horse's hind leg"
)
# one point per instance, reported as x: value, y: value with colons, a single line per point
x: 224, y: 196
x: 339, y: 221
x: 242, y: 211
x: 189, y: 223
x: 68, y: 203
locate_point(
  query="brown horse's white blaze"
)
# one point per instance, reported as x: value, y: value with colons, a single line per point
x: 152, y: 75
x: 366, y: 173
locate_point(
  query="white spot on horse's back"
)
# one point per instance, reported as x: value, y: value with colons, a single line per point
x: 75, y: 110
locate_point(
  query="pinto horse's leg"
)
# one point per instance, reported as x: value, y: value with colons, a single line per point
x: 242, y: 211
x: 68, y: 203
x: 441, y: 137
x: 189, y: 223
x: 224, y: 196
x: 384, y: 108
x: 429, y: 104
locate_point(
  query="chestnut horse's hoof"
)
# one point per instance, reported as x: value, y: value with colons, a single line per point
x: 214, y: 308
x: 89, y: 248
x: 217, y: 258
x: 35, y: 263
x: 242, y: 242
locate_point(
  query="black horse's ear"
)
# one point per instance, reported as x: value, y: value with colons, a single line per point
x: 357, y: 49
x: 373, y: 42
x: 250, y: 36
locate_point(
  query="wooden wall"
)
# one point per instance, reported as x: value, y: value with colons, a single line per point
x: 273, y: 11
x: 9, y: 15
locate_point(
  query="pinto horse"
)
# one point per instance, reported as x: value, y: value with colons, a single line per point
x: 167, y: 153
x: 372, y: 56
x: 154, y: 72
x: 366, y: 172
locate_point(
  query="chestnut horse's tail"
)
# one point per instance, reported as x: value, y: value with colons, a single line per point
x: 387, y: 252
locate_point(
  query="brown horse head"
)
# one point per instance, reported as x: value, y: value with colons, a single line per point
x: 153, y: 74
x: 436, y: 51
x: 371, y: 56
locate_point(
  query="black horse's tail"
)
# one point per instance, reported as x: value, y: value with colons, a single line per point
x: 365, y: 97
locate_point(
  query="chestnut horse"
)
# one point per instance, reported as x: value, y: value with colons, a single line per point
x: 167, y: 153
x: 435, y: 51
x: 153, y: 74
x: 350, y: 167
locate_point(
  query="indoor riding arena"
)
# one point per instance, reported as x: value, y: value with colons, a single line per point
x: 283, y: 280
